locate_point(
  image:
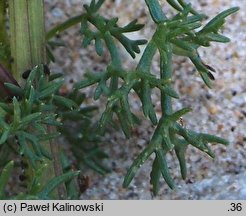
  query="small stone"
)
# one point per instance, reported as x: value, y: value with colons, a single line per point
x: 213, y: 109
x: 220, y: 127
x: 239, y: 115
x: 195, y: 158
x: 57, y: 12
x: 208, y: 96
x: 141, y: 142
x: 233, y: 128
x: 189, y: 181
x: 244, y: 113
x: 234, y: 92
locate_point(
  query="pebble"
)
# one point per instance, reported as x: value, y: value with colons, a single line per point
x: 57, y: 12
x: 213, y: 109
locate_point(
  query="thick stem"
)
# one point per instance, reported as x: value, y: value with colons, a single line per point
x: 27, y: 35
x: 4, y: 42
x: 54, y: 147
x: 28, y: 50
x: 2, y: 20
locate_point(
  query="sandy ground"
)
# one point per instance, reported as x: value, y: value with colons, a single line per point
x: 220, y: 111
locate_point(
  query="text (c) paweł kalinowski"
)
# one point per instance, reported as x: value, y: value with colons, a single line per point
x: 56, y: 206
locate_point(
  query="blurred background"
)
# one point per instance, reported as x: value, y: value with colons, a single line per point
x: 220, y: 111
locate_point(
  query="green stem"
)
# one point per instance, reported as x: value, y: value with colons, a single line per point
x: 28, y: 50
x: 166, y: 74
x: 27, y: 35
x: 156, y: 11
x: 2, y: 20
x: 165, y: 61
x: 64, y: 26
x: 4, y: 42
x: 116, y: 61
x: 145, y: 62
x: 55, y: 151
x: 113, y: 50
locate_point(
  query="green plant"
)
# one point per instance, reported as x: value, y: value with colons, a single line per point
x: 25, y: 122
x: 176, y: 35
x: 34, y: 111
